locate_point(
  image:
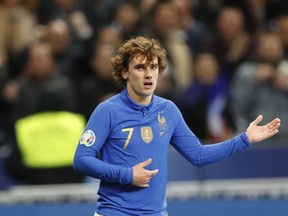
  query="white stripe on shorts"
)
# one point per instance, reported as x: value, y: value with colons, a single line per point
x: 166, y: 213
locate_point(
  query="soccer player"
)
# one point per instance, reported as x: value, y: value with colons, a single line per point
x: 132, y: 131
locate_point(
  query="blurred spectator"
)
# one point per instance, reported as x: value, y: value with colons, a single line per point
x: 166, y: 87
x: 16, y: 29
x: 45, y: 144
x: 39, y: 88
x: 109, y: 34
x: 126, y: 19
x: 145, y: 7
x: 231, y: 42
x: 274, y: 8
x: 206, y: 11
x: 204, y: 100
x: 99, y: 85
x: 254, y: 12
x: 269, y: 48
x: 63, y: 9
x: 68, y: 21
x: 195, y: 32
x: 165, y: 27
x: 40, y: 75
x: 3, y: 74
x: 68, y: 53
x: 3, y: 105
x: 257, y: 15
x: 72, y: 13
x: 32, y: 6
x: 282, y: 30
x: 258, y: 86
x: 101, y: 13
x: 80, y: 26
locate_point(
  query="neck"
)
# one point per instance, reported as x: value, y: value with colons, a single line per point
x: 139, y: 99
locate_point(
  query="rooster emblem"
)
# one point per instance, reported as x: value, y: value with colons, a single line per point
x: 161, y: 120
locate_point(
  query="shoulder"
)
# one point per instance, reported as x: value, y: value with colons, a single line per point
x: 166, y: 103
x: 111, y: 104
x: 105, y: 110
x: 113, y: 100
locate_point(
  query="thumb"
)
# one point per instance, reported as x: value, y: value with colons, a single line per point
x: 147, y: 162
x: 258, y: 119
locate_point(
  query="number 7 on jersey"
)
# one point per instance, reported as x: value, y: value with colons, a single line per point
x: 130, y: 130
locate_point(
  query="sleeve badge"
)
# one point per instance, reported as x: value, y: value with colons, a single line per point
x: 87, y: 138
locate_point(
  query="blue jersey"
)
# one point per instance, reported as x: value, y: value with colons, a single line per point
x: 125, y: 134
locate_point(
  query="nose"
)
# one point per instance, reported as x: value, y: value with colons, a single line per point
x: 148, y: 73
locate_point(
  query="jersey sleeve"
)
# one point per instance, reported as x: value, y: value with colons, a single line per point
x: 93, y: 138
x: 190, y: 147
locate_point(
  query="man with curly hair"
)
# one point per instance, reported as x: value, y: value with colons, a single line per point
x: 132, y: 132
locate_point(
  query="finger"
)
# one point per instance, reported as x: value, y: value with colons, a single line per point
x: 277, y: 121
x: 275, y: 124
x: 147, y: 162
x: 274, y: 127
x: 274, y: 132
x: 144, y: 185
x: 258, y: 119
x: 154, y: 172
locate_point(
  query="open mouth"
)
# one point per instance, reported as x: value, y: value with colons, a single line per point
x: 148, y: 84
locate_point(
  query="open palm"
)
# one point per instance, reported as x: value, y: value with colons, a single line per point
x: 256, y: 133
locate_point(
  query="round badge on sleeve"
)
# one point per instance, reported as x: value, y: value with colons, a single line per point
x: 87, y: 138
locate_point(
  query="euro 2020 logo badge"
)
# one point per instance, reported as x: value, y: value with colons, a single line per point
x: 87, y: 138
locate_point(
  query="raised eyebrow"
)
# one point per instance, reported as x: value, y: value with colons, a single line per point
x: 139, y: 65
x: 146, y: 65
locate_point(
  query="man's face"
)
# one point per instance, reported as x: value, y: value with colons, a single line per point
x: 40, y: 62
x: 142, y: 77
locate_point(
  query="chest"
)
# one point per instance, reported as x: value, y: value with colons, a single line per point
x: 147, y: 133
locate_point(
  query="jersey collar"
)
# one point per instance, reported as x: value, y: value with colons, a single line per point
x: 128, y: 100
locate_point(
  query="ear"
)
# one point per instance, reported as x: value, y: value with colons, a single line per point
x: 124, y: 74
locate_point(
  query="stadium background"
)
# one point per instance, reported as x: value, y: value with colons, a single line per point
x: 251, y: 183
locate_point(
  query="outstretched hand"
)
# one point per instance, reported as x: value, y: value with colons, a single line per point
x: 256, y: 133
x: 142, y: 176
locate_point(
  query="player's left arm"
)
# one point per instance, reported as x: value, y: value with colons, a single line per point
x: 189, y: 146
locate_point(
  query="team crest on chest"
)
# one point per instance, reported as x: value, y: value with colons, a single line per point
x: 146, y: 134
x: 162, y: 125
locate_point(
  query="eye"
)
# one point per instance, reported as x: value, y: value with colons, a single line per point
x: 153, y: 66
x: 139, y: 67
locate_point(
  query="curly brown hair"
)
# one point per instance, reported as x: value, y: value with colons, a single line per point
x: 140, y: 45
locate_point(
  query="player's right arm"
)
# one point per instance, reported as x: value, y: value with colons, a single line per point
x: 93, y: 138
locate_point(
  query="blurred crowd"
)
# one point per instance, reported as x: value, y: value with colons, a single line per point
x: 227, y: 63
